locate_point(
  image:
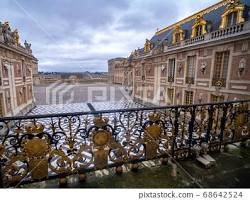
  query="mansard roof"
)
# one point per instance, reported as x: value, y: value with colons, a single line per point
x: 211, y: 14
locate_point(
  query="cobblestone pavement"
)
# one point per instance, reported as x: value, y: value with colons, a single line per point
x: 64, y: 93
x: 81, y: 107
x: 68, y: 98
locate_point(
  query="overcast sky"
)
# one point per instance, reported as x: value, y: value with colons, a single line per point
x: 81, y: 35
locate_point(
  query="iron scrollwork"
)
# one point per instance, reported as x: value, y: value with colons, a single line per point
x: 35, y: 148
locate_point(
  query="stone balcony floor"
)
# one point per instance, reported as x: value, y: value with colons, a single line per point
x: 232, y: 170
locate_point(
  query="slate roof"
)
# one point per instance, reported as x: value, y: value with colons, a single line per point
x: 214, y: 17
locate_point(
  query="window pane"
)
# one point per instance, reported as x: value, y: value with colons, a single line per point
x: 171, y: 70
x: 188, y: 97
x: 220, y: 68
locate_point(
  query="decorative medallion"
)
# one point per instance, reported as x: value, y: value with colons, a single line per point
x: 101, y: 138
x: 154, y: 131
x: 36, y: 148
x: 35, y: 151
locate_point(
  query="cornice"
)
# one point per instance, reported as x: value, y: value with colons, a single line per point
x: 209, y: 43
x: 2, y: 45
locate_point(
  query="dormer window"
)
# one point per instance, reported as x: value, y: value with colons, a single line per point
x: 232, y: 19
x: 199, y: 30
x: 178, y: 35
x: 199, y: 27
x: 233, y: 14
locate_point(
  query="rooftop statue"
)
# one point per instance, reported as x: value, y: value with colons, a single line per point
x: 12, y: 37
x: 27, y: 46
x: 7, y: 34
x: 1, y: 33
x: 16, y: 37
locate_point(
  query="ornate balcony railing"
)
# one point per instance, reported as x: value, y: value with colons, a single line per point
x: 35, y: 148
x: 194, y: 40
x: 171, y: 46
x: 227, y: 31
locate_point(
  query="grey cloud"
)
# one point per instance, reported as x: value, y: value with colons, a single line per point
x: 79, y: 35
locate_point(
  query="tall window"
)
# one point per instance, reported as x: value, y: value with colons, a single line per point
x: 170, y: 95
x: 221, y: 67
x: 1, y: 78
x: 191, y: 62
x: 1, y: 105
x: 216, y: 98
x: 189, y: 97
x: 5, y: 71
x: 171, y: 70
x: 177, y: 37
x: 232, y: 19
x: 199, y: 30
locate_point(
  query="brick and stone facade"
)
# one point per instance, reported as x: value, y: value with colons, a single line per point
x: 16, y: 74
x: 200, y: 59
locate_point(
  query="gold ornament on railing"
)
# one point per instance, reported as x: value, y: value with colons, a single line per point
x: 152, y: 135
x: 34, y: 128
x: 35, y: 151
x: 2, y: 150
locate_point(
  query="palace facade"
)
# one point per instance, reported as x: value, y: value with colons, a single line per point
x: 17, y: 67
x: 203, y: 58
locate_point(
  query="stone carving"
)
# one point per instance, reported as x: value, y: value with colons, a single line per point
x: 1, y: 33
x: 12, y: 38
x: 16, y: 37
x: 7, y: 34
x: 27, y: 46
x: 203, y: 67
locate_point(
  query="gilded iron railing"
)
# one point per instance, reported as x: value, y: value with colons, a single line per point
x: 35, y: 148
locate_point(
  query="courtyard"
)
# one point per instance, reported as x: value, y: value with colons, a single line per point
x: 231, y: 167
x: 69, y: 98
